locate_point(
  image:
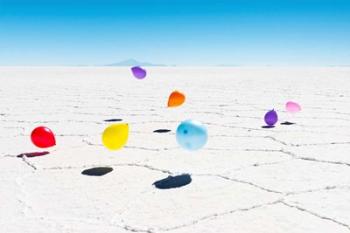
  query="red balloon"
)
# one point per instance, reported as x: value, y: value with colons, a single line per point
x: 43, y: 137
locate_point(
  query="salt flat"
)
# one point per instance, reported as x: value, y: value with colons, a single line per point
x: 289, y: 179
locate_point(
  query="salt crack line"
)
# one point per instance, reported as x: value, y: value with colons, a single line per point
x: 113, y: 165
x: 316, y: 214
x: 218, y: 215
x: 295, y: 156
x: 327, y: 188
x: 196, y: 221
x: 306, y: 144
x: 323, y: 161
x: 240, y: 181
x: 25, y: 160
x: 168, y: 172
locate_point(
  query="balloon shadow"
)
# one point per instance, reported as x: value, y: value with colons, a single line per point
x: 113, y: 120
x: 288, y: 123
x: 173, y: 182
x: 161, y: 131
x: 268, y: 126
x: 33, y: 154
x: 97, y: 171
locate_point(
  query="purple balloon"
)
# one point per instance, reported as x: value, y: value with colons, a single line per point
x: 271, y: 117
x: 138, y: 72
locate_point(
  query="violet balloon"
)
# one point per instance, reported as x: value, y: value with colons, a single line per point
x: 271, y: 117
x: 292, y: 107
x: 138, y: 72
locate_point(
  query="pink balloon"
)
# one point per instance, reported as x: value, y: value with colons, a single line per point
x: 292, y: 107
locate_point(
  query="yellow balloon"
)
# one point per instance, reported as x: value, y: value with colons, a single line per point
x: 115, y: 136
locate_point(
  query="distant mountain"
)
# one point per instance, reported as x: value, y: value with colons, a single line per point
x: 133, y: 62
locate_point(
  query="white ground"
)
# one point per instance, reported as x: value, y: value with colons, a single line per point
x: 247, y: 179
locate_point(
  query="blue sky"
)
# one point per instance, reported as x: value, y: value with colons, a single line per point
x: 180, y: 32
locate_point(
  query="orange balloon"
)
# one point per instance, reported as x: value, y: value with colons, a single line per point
x: 176, y: 99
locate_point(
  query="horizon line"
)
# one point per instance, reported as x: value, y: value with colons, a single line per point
x: 164, y: 66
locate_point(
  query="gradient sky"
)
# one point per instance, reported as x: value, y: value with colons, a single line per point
x: 180, y: 32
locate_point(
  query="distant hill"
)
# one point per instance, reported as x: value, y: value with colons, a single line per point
x: 133, y: 62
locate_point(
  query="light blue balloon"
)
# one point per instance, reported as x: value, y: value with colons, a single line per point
x: 191, y: 135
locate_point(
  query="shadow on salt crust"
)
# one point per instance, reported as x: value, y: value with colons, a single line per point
x: 173, y: 181
x: 161, y: 131
x: 97, y: 171
x: 267, y: 126
x: 287, y: 123
x: 33, y: 154
x: 113, y: 120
